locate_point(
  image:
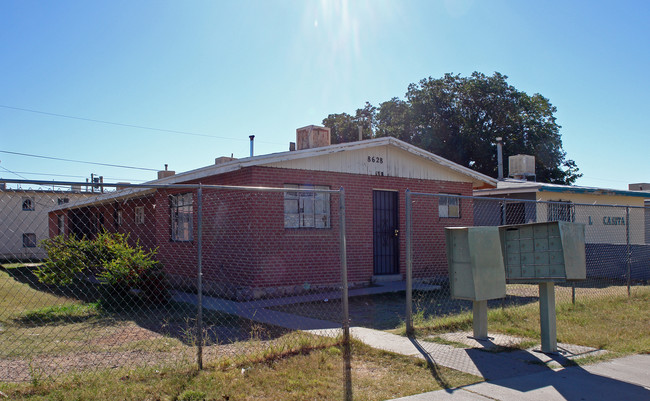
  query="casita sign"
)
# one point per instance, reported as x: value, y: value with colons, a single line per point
x: 614, y: 221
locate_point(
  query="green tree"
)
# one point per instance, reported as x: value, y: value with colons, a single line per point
x: 345, y: 128
x: 459, y: 118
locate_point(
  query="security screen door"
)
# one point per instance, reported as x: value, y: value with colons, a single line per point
x: 385, y: 232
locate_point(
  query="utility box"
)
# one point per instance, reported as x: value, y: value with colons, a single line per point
x: 475, y: 258
x: 538, y: 252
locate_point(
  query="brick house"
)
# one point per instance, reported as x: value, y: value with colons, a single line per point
x: 256, y: 243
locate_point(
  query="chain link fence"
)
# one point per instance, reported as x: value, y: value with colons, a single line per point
x: 101, y: 277
x: 617, y: 259
x: 104, y: 277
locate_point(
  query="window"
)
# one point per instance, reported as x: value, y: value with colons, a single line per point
x: 60, y: 224
x: 561, y: 211
x: 28, y: 204
x: 29, y: 240
x: 139, y: 215
x: 181, y: 214
x: 61, y: 201
x: 306, y: 209
x: 449, y: 207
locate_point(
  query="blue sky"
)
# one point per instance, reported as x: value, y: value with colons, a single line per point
x: 215, y: 72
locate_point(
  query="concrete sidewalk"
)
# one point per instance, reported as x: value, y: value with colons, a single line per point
x: 620, y: 379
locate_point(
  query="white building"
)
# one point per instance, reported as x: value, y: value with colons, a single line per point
x: 24, y: 220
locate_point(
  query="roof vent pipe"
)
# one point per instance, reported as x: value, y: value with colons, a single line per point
x: 252, y: 137
x: 500, y: 157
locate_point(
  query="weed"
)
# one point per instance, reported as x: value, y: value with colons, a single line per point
x: 192, y: 395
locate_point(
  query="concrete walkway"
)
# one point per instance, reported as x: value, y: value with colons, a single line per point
x: 620, y: 379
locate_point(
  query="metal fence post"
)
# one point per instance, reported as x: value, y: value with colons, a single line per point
x: 199, y: 280
x: 409, y: 267
x: 628, y: 254
x: 347, y: 352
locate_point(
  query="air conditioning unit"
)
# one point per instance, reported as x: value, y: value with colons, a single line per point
x: 521, y: 166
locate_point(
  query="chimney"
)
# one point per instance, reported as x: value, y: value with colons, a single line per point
x: 224, y: 159
x: 165, y: 173
x: 252, y: 138
x: 312, y: 136
x: 500, y: 157
x: 292, y: 146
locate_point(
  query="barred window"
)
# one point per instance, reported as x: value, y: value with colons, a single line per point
x: 28, y: 204
x: 181, y: 215
x: 29, y: 240
x: 306, y: 209
x: 139, y: 215
x: 561, y: 211
x: 449, y: 207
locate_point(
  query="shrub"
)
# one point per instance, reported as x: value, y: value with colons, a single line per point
x: 109, y: 258
x: 66, y: 259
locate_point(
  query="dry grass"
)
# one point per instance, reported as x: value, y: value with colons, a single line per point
x: 314, y: 375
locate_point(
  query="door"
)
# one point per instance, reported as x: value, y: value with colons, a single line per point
x: 385, y: 232
x: 515, y: 213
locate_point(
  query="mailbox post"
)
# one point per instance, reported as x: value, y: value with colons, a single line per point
x: 545, y: 253
x: 476, y: 270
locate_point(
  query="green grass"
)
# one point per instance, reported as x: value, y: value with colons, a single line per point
x: 58, y: 314
x: 316, y: 374
x: 611, y: 321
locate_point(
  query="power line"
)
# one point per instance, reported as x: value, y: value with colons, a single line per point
x: 71, y: 176
x: 13, y: 172
x: 76, y: 161
x: 127, y: 125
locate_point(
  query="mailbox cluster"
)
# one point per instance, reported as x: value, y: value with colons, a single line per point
x: 552, y: 251
x: 481, y: 259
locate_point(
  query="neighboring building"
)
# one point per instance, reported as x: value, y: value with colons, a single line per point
x: 609, y: 226
x: 254, y: 242
x: 23, y: 220
x: 644, y: 186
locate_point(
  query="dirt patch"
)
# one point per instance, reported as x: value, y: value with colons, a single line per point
x: 125, y: 335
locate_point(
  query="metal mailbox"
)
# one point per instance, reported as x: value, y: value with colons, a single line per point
x: 475, y: 258
x: 537, y: 252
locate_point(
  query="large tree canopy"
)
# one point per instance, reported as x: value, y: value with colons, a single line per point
x: 459, y: 118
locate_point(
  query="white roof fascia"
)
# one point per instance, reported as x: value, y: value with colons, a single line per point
x: 320, y: 151
x: 106, y: 197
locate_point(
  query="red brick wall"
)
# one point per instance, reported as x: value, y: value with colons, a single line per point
x: 245, y: 244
